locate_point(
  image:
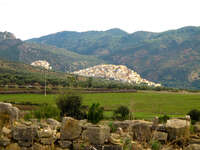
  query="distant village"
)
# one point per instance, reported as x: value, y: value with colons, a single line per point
x: 115, y: 72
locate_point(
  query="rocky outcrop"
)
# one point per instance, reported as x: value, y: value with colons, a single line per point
x: 6, y: 36
x: 115, y: 72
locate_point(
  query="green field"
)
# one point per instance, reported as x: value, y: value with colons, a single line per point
x: 143, y: 104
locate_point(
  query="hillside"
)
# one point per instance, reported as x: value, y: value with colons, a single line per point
x: 115, y: 72
x: 171, y: 58
x: 13, y: 49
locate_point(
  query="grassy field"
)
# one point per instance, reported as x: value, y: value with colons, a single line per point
x: 142, y: 104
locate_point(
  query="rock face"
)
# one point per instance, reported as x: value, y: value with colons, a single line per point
x: 8, y: 109
x: 115, y: 72
x: 6, y: 36
x: 70, y: 129
x: 177, y: 128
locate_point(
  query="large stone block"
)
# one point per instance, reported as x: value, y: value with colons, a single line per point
x: 125, y: 125
x: 13, y: 146
x: 4, y: 141
x: 112, y: 147
x: 98, y: 134
x: 65, y: 144
x: 25, y: 135
x: 178, y: 128
x: 8, y: 109
x: 70, y: 129
x: 142, y: 131
x: 160, y: 136
x: 193, y: 147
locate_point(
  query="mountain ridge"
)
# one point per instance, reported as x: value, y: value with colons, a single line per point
x: 171, y: 57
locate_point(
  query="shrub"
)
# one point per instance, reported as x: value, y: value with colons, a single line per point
x: 163, y: 119
x: 95, y: 113
x: 156, y: 145
x: 47, y: 111
x: 70, y: 104
x: 112, y: 127
x: 194, y: 115
x: 122, y: 113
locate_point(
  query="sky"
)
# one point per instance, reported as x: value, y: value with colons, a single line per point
x: 34, y: 18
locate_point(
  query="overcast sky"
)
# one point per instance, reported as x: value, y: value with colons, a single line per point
x: 35, y: 18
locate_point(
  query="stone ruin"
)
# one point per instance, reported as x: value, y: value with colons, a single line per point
x: 72, y: 134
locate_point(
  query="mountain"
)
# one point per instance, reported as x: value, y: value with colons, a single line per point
x: 91, y: 42
x: 13, y: 49
x: 171, y: 58
x: 115, y: 72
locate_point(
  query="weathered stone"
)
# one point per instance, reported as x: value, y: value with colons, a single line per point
x: 193, y: 147
x: 136, y: 146
x: 4, y: 141
x: 84, y: 124
x: 13, y: 146
x: 112, y: 147
x: 177, y: 128
x: 80, y: 145
x: 24, y: 143
x: 196, y: 127
x: 57, y: 136
x: 124, y: 125
x: 54, y: 124
x: 7, y: 108
x: 70, y: 129
x: 98, y: 134
x: 65, y: 144
x: 84, y: 135
x: 45, y: 133
x: 169, y: 148
x: 47, y: 141
x: 194, y: 140
x: 5, y: 131
x: 24, y: 134
x: 141, y: 131
x: 160, y: 136
x: 115, y: 139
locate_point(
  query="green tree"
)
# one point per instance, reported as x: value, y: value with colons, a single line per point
x: 70, y: 104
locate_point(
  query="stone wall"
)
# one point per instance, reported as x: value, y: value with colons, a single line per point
x: 71, y: 134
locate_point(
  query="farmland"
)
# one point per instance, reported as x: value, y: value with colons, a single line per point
x: 142, y: 104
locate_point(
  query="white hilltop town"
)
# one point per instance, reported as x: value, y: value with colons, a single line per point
x: 42, y: 63
x: 115, y: 72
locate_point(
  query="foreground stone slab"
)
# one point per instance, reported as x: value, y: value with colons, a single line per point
x: 25, y: 135
x: 178, y: 128
x: 98, y: 134
x: 70, y: 129
x: 142, y: 131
